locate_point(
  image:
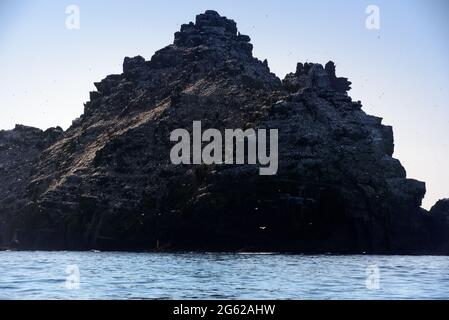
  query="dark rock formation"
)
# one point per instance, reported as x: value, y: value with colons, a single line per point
x: 313, y: 75
x: 440, y: 222
x: 108, y: 183
x: 20, y: 149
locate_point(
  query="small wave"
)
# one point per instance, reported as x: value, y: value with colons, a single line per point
x: 258, y: 253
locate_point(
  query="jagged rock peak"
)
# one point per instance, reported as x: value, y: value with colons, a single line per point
x: 211, y: 29
x: 131, y: 64
x: 314, y: 75
x: 441, y: 209
x: 212, y: 21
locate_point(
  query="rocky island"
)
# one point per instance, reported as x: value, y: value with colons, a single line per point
x: 107, y: 182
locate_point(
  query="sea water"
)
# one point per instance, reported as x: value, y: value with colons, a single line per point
x: 112, y: 275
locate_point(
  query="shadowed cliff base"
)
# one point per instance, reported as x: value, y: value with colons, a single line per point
x: 107, y: 182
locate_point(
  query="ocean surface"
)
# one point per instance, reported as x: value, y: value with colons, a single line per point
x: 106, y: 275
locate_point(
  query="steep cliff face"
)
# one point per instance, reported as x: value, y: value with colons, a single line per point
x: 108, y: 182
x: 20, y: 149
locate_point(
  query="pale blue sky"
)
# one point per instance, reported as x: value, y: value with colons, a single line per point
x: 400, y: 72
